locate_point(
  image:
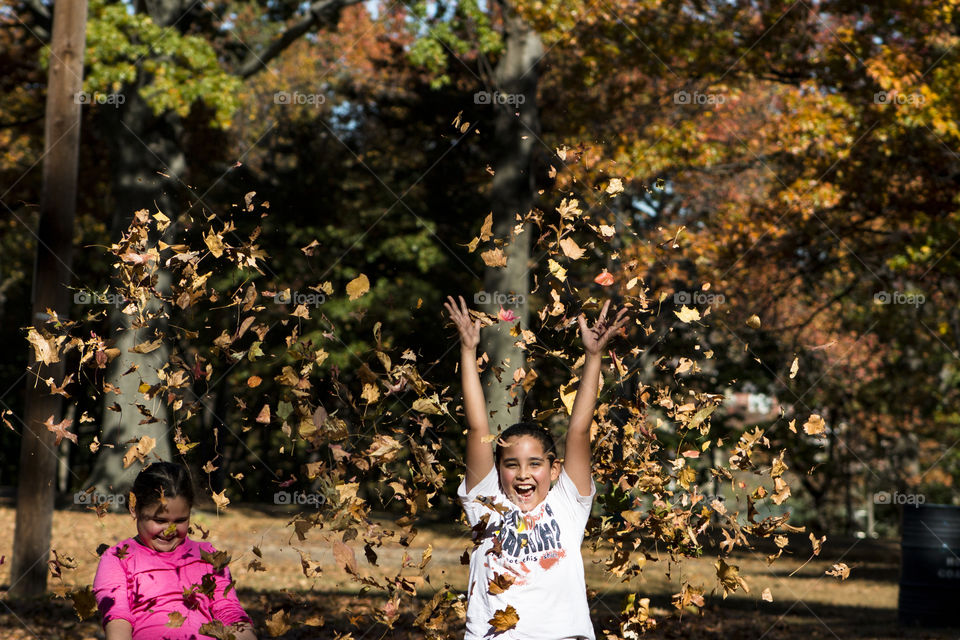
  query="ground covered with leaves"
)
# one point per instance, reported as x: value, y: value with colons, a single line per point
x: 319, y: 600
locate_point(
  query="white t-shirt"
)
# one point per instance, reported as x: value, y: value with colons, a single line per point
x: 541, y: 551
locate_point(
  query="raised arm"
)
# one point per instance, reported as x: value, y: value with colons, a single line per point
x: 479, y: 452
x: 576, y: 460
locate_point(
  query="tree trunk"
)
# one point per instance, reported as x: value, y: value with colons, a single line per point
x: 38, y: 454
x: 144, y: 145
x: 515, y: 137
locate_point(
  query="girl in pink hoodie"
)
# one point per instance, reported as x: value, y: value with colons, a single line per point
x: 157, y: 585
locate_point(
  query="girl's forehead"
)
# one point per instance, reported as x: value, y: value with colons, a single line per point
x: 523, y: 444
x: 175, y: 507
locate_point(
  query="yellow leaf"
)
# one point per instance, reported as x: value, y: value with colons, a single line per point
x: 44, y: 349
x: 370, y: 393
x: 753, y: 321
x: 214, y: 242
x: 139, y: 451
x: 494, y: 258
x: 221, y: 499
x: 568, y: 393
x: 486, y: 231
x: 358, y: 286
x: 687, y: 314
x: 556, y: 269
x: 571, y: 249
x: 814, y: 425
x: 425, y: 405
x: 615, y: 186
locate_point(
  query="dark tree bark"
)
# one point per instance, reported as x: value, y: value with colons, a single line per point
x: 512, y: 193
x: 51, y: 279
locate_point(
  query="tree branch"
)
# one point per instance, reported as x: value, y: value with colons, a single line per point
x: 321, y: 13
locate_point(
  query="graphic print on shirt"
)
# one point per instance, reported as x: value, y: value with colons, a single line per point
x: 527, y: 540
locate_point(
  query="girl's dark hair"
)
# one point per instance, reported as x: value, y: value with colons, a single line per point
x: 162, y: 479
x: 531, y: 429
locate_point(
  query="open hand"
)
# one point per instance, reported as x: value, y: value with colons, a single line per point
x: 469, y: 329
x: 595, y: 338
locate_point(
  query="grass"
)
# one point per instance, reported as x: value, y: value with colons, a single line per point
x: 807, y: 604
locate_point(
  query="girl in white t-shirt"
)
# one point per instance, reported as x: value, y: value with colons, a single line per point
x: 526, y: 571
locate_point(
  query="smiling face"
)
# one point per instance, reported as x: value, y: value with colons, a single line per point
x: 526, y: 472
x: 163, y: 527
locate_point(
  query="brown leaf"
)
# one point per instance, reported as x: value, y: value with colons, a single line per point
x: 139, y: 451
x: 220, y: 499
x: 345, y: 557
x: 839, y: 570
x: 253, y: 382
x: 486, y: 231
x: 61, y: 429
x: 500, y: 583
x: 84, y: 602
x: 214, y: 242
x: 504, y: 619
x: 278, y: 624
x: 175, y: 620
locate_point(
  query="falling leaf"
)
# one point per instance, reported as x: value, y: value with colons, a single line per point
x: 500, y: 583
x: 839, y: 570
x: 358, y: 286
x: 568, y: 392
x: 766, y: 596
x: 214, y: 242
x: 345, y: 557
x: 753, y: 321
x: 84, y: 602
x: 729, y: 576
x: 504, y: 619
x: 607, y: 231
x: 571, y: 249
x: 494, y: 258
x: 264, y: 416
x: 507, y: 315
x: 139, y: 451
x: 486, y: 231
x: 44, y: 349
x: 278, y: 623
x: 253, y: 382
x: 559, y: 272
x: 61, y: 429
x: 605, y: 279
x: 814, y: 425
x: 615, y: 186
x: 175, y: 620
x: 794, y: 368
x: 220, y: 499
x: 425, y: 405
x: 686, y: 314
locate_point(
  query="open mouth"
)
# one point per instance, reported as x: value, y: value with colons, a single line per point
x: 525, y: 491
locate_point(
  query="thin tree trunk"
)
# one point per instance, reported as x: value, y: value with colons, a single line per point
x: 38, y: 455
x: 511, y: 194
